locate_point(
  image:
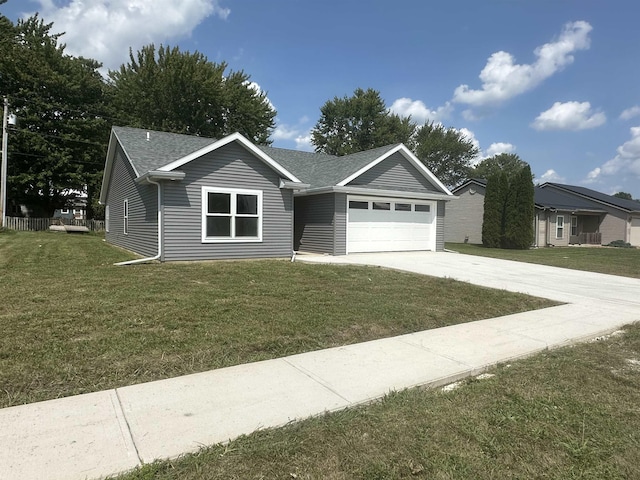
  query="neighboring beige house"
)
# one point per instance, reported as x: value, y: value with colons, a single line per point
x: 463, y: 223
x: 564, y: 215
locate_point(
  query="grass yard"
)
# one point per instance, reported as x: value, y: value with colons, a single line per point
x: 73, y: 323
x: 615, y: 261
x: 566, y: 414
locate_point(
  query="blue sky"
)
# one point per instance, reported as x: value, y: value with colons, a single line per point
x: 555, y: 81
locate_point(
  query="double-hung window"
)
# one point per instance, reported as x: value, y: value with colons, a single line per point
x: 231, y: 215
x: 560, y: 226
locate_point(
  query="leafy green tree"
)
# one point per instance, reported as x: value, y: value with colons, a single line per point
x: 495, y: 200
x: 519, y: 211
x: 60, y: 144
x: 444, y: 151
x: 623, y: 195
x: 357, y: 123
x: 183, y: 92
x: 509, y: 163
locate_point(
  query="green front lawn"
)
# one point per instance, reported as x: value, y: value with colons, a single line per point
x: 615, y: 261
x: 571, y: 413
x: 72, y: 322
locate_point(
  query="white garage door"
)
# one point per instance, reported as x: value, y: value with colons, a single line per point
x: 384, y: 225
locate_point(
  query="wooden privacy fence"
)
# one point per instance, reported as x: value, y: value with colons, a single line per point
x: 37, y: 224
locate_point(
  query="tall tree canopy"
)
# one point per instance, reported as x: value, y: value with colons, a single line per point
x: 444, y: 151
x: 361, y: 122
x: 183, y: 92
x: 509, y: 163
x: 60, y: 144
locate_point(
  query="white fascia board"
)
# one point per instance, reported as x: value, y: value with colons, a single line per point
x: 409, y: 156
x: 234, y: 137
x: 377, y: 193
x: 156, y: 175
x: 293, y: 185
x: 108, y: 165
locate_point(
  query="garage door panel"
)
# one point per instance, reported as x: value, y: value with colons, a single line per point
x: 390, y: 230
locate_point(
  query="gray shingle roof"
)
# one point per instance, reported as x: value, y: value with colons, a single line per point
x: 317, y: 169
x: 554, y: 199
x: 161, y: 149
x: 621, y: 203
x: 322, y: 170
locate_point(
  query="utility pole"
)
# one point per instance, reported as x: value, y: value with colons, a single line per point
x: 3, y: 173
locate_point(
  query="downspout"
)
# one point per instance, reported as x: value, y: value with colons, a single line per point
x: 156, y: 257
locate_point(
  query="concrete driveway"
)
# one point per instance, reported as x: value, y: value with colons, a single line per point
x: 560, y: 284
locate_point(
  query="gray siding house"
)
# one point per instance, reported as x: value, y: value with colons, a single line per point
x: 178, y: 197
x: 564, y: 215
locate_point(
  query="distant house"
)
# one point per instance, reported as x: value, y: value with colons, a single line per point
x: 179, y: 197
x: 568, y: 214
x: 76, y: 209
x: 564, y: 215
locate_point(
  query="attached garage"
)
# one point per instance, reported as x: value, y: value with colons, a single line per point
x: 390, y: 225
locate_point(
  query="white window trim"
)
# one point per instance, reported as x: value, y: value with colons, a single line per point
x: 125, y: 217
x: 64, y: 211
x: 574, y: 225
x: 233, y: 192
x: 558, y: 227
x: 106, y: 218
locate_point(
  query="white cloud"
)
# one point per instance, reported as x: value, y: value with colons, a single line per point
x: 283, y: 132
x: 494, y: 148
x: 626, y: 162
x: 630, y: 113
x: 551, y: 176
x: 593, y: 175
x: 418, y: 111
x: 498, y: 148
x: 105, y: 29
x: 569, y: 116
x: 303, y: 142
x: 300, y: 134
x: 503, y: 79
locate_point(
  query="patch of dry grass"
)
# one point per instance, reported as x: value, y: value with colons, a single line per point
x: 73, y: 323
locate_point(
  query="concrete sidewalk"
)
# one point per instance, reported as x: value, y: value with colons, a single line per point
x: 103, y: 433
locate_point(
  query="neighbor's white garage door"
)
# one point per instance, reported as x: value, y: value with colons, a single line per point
x: 384, y: 225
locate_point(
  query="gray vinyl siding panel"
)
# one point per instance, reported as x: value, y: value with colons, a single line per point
x: 231, y: 166
x: 464, y: 216
x: 315, y: 223
x: 395, y: 173
x: 440, y: 226
x: 143, y: 211
x: 340, y: 225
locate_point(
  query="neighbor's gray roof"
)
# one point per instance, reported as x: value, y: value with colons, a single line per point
x: 317, y: 169
x: 621, y: 203
x: 556, y: 200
